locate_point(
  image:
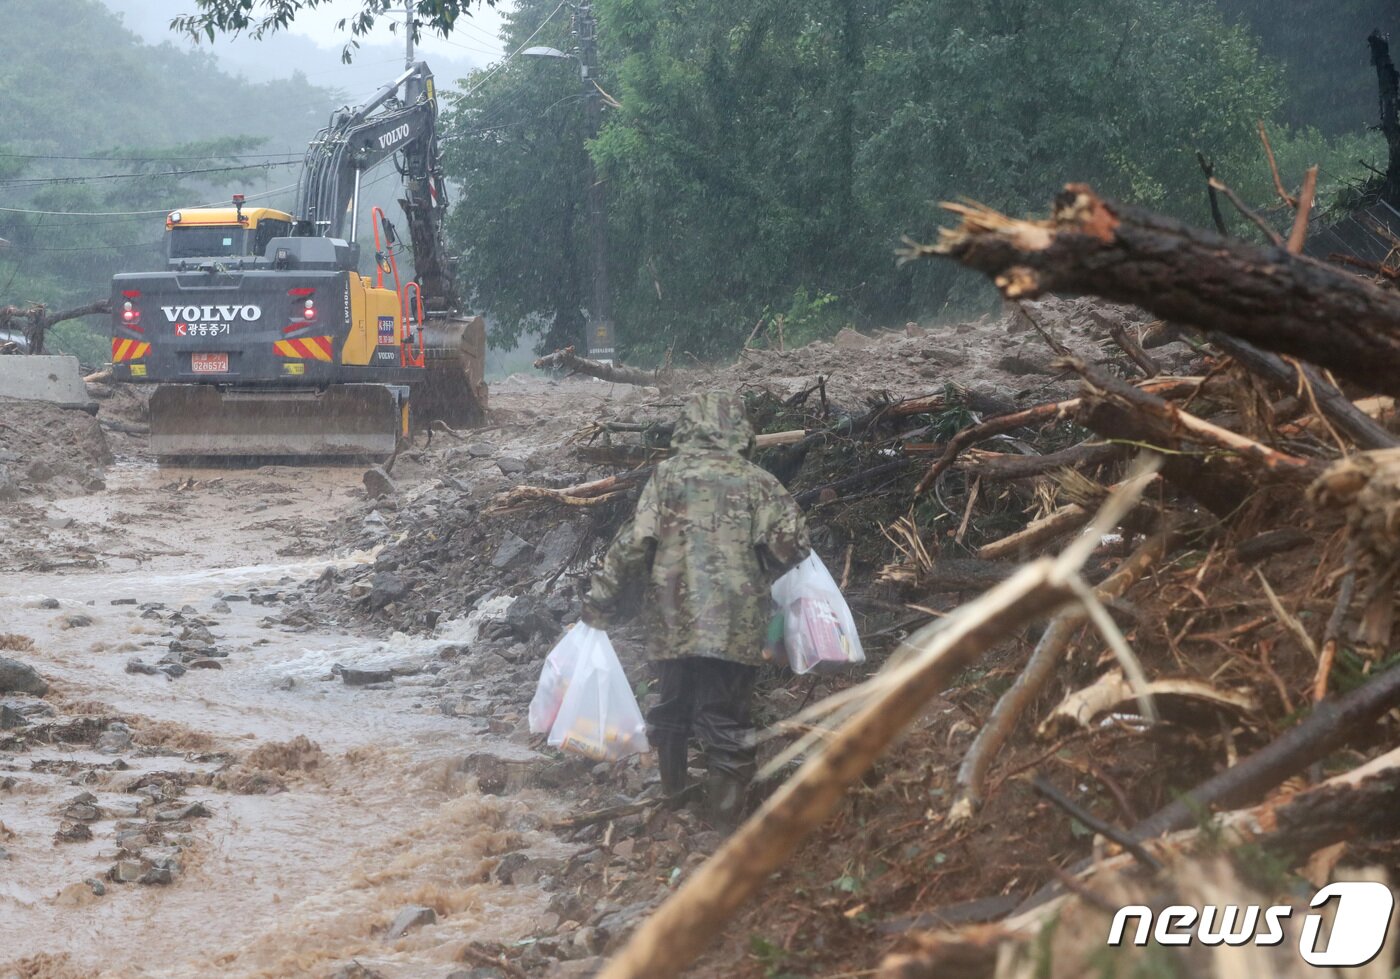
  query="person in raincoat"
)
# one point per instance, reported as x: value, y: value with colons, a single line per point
x: 712, y: 532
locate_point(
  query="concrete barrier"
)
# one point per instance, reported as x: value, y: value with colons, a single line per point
x: 56, y: 379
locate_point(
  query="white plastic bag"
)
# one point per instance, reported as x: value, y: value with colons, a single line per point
x: 558, y: 669
x: 818, y: 628
x: 598, y: 716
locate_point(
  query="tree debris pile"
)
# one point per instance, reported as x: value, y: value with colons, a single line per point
x: 1252, y: 580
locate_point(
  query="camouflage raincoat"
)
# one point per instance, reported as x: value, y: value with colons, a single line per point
x: 711, y: 533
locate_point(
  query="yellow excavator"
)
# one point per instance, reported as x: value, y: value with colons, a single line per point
x: 264, y: 338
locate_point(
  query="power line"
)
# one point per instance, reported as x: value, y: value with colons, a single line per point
x: 158, y: 173
x: 505, y: 61
x: 511, y: 125
x: 97, y: 248
x: 141, y: 159
x: 475, y: 49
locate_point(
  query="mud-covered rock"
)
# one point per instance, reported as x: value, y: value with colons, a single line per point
x: 385, y: 588
x: 114, y: 740
x: 17, y: 677
x: 529, y: 616
x: 354, y: 970
x: 362, y: 678
x: 558, y: 545
x: 126, y: 871
x: 377, y: 483
x: 72, y: 831
x: 512, y: 550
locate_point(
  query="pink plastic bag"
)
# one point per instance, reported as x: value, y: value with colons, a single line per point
x: 818, y: 628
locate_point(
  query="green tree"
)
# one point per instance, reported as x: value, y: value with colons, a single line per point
x: 763, y: 158
x: 515, y: 147
x: 766, y: 148
x: 99, y: 152
x: 1004, y: 100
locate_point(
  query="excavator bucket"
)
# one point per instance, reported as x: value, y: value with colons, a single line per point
x: 202, y: 421
x: 454, y: 390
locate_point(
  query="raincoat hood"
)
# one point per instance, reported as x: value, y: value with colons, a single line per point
x: 714, y: 420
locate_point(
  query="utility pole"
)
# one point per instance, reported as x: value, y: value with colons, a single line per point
x: 408, y: 33
x: 600, y: 342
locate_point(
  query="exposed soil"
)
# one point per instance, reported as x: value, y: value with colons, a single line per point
x: 49, y: 452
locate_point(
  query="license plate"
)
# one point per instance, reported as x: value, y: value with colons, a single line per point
x: 209, y: 363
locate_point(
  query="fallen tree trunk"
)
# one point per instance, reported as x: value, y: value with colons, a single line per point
x: 1008, y: 465
x: 1104, y: 387
x: 35, y: 320
x: 1035, y: 415
x: 661, y: 377
x: 1289, y: 304
x: 594, y: 493
x: 1037, y: 533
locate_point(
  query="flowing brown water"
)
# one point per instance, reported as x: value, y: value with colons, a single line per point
x: 290, y: 883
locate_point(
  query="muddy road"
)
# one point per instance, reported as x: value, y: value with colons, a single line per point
x: 221, y: 781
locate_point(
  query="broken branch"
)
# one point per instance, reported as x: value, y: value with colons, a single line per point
x: 568, y: 360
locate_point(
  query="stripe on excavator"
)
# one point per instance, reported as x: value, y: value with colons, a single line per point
x: 124, y: 349
x: 316, y: 348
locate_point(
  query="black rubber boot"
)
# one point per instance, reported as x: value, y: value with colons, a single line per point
x: 673, y: 762
x: 724, y: 801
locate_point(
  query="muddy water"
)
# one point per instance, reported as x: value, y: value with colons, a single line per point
x: 291, y: 883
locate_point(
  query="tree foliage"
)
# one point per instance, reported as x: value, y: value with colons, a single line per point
x: 515, y: 147
x: 764, y: 158
x: 259, y: 18
x: 1321, y: 44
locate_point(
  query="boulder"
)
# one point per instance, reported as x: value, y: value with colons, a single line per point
x: 17, y: 677
x: 529, y: 616
x: 377, y: 483
x: 385, y: 588
x: 512, y: 550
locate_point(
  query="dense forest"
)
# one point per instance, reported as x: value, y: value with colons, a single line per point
x: 759, y: 160
x: 764, y: 159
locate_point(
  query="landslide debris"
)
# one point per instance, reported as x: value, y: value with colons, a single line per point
x: 493, y: 574
x: 48, y: 451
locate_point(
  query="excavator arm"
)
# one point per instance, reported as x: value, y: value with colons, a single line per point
x: 400, y: 120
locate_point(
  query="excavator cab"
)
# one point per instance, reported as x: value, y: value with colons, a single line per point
x: 227, y: 235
